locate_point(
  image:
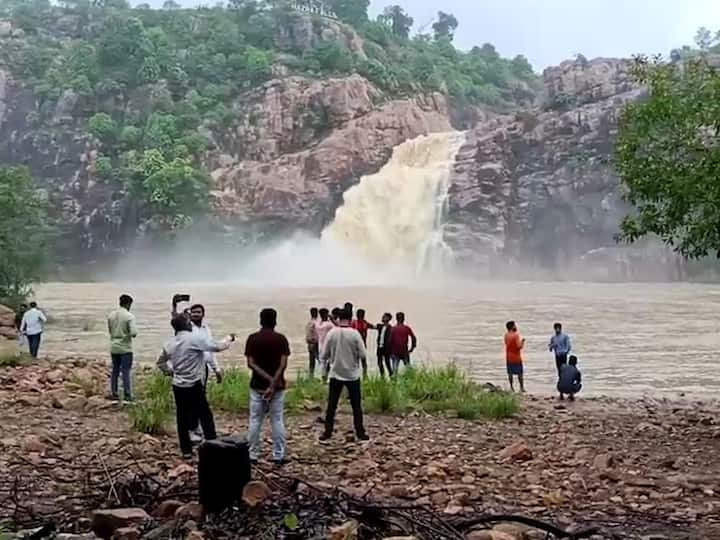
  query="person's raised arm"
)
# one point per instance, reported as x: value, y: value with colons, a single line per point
x: 205, y: 344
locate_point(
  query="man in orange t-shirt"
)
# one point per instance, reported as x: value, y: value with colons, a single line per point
x: 514, y: 344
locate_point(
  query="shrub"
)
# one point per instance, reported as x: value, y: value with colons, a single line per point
x: 153, y: 410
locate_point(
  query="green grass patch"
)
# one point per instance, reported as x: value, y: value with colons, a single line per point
x: 14, y: 359
x: 233, y: 393
x: 432, y: 390
x: 154, y: 407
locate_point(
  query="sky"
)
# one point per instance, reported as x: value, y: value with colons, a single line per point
x: 550, y: 31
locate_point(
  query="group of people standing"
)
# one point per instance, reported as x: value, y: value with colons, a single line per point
x: 395, y: 343
x: 337, y: 342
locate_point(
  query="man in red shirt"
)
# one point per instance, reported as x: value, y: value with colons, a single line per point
x: 362, y: 326
x: 514, y: 344
x: 399, y: 337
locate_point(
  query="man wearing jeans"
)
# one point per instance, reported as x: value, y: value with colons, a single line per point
x: 267, y: 353
x: 32, y: 326
x: 122, y: 329
x: 561, y: 346
x: 344, y: 352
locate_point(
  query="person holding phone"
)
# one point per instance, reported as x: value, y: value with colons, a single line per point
x: 183, y: 358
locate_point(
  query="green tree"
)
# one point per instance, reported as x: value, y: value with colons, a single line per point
x: 23, y: 233
x: 668, y: 156
x: 445, y: 26
x: 399, y: 21
x: 103, y: 127
x: 353, y: 12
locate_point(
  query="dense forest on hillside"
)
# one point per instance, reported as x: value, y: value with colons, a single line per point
x: 193, y: 63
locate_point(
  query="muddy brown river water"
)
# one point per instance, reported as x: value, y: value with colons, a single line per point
x: 632, y: 339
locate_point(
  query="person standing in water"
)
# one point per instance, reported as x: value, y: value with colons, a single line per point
x: 561, y: 346
x: 183, y: 358
x: 311, y: 339
x: 122, y: 330
x: 345, y: 353
x: 383, y: 345
x: 514, y: 344
x: 32, y: 326
x: 267, y: 353
x: 200, y: 327
x: 399, y: 337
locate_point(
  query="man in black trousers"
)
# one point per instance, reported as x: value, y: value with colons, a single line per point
x: 183, y: 357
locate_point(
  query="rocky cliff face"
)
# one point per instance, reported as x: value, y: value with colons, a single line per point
x: 533, y: 190
x: 537, y: 191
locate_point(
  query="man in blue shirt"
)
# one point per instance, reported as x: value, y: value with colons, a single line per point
x: 561, y: 346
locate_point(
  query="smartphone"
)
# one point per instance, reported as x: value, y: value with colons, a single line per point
x: 181, y: 298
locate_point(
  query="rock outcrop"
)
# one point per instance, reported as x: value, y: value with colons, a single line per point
x: 537, y: 191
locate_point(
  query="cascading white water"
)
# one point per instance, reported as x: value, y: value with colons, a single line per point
x: 395, y: 217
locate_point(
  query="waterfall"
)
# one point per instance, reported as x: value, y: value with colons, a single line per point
x: 395, y: 218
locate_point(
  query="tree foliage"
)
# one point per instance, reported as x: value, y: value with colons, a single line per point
x: 669, y: 156
x: 445, y: 26
x: 23, y: 233
x: 398, y: 20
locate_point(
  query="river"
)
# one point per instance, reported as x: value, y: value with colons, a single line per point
x: 631, y: 339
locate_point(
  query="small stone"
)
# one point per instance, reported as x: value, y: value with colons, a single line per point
x: 518, y: 451
x: 167, y: 509
x: 346, y: 531
x: 191, y: 511
x: 255, y: 493
x: 54, y: 376
x: 440, y: 498
x: 180, y: 470
x: 453, y: 509
x: 195, y: 535
x: 401, y: 492
x: 105, y: 522
x: 602, y: 462
x: 32, y: 443
x: 516, y: 532
x: 70, y: 403
x: 126, y: 533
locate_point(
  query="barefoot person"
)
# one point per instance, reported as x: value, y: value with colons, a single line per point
x: 399, y: 337
x: 560, y: 345
x: 311, y: 339
x: 570, y: 381
x: 183, y: 358
x: 200, y: 327
x: 344, y: 352
x: 122, y: 330
x: 267, y: 353
x: 514, y: 344
x: 32, y: 326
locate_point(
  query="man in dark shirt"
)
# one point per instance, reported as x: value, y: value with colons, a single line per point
x: 570, y: 382
x: 267, y: 353
x: 383, y: 345
x: 399, y: 337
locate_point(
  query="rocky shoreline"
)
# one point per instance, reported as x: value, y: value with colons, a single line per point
x: 633, y: 469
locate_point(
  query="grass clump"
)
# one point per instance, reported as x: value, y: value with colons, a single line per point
x: 14, y: 359
x: 233, y: 393
x: 153, y: 410
x: 384, y: 396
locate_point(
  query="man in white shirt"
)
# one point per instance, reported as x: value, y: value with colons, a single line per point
x: 200, y: 327
x: 344, y: 353
x: 322, y: 328
x: 183, y: 358
x: 33, y: 324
